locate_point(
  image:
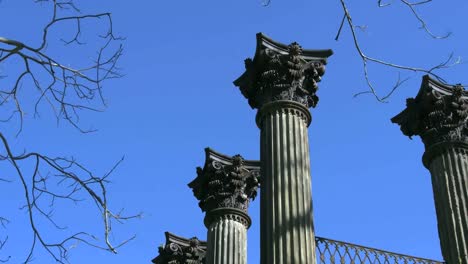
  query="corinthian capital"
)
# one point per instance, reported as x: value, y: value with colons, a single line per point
x: 282, y: 72
x: 439, y: 113
x: 225, y: 182
x: 181, y: 250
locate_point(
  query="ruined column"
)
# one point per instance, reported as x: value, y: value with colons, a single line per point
x: 224, y: 188
x: 439, y: 115
x: 180, y: 250
x: 281, y: 82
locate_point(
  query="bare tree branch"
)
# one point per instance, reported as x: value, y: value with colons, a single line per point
x: 2, y: 244
x: 366, y: 59
x: 380, y: 4
x: 73, y: 179
x: 66, y: 85
x: 68, y: 88
x: 412, y: 7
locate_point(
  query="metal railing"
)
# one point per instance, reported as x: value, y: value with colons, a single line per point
x: 337, y: 252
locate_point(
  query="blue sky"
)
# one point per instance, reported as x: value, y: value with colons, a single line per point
x: 177, y: 97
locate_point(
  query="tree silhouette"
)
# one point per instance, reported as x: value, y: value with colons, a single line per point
x: 38, y: 74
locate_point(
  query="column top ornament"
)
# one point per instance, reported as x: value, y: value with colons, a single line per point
x: 282, y: 72
x: 438, y: 113
x: 181, y: 250
x: 225, y: 182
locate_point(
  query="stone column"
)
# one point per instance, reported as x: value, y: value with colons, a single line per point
x: 224, y: 188
x: 180, y: 250
x: 281, y: 82
x: 439, y: 115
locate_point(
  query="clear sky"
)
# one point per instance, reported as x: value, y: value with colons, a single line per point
x: 177, y: 97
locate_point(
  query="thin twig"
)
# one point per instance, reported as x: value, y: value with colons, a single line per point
x: 68, y: 90
x: 366, y: 59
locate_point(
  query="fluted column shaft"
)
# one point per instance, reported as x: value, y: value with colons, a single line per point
x: 227, y: 239
x: 448, y: 164
x: 439, y: 115
x: 287, y: 230
x: 281, y: 81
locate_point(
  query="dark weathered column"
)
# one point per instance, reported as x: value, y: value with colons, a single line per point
x: 281, y: 82
x: 179, y: 250
x: 439, y: 115
x: 224, y: 187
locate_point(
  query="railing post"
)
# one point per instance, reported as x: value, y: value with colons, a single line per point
x: 281, y: 82
x: 224, y: 188
x: 439, y: 115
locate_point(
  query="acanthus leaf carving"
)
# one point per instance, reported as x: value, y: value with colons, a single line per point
x: 282, y: 72
x: 439, y: 113
x: 225, y: 182
x: 179, y: 250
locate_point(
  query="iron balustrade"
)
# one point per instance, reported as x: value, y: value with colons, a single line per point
x: 337, y: 252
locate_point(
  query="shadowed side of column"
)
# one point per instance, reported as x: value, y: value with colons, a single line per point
x: 450, y: 185
x: 227, y: 241
x: 286, y: 200
x: 439, y: 115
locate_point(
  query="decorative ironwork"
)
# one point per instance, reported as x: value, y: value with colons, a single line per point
x: 332, y: 251
x: 179, y: 250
